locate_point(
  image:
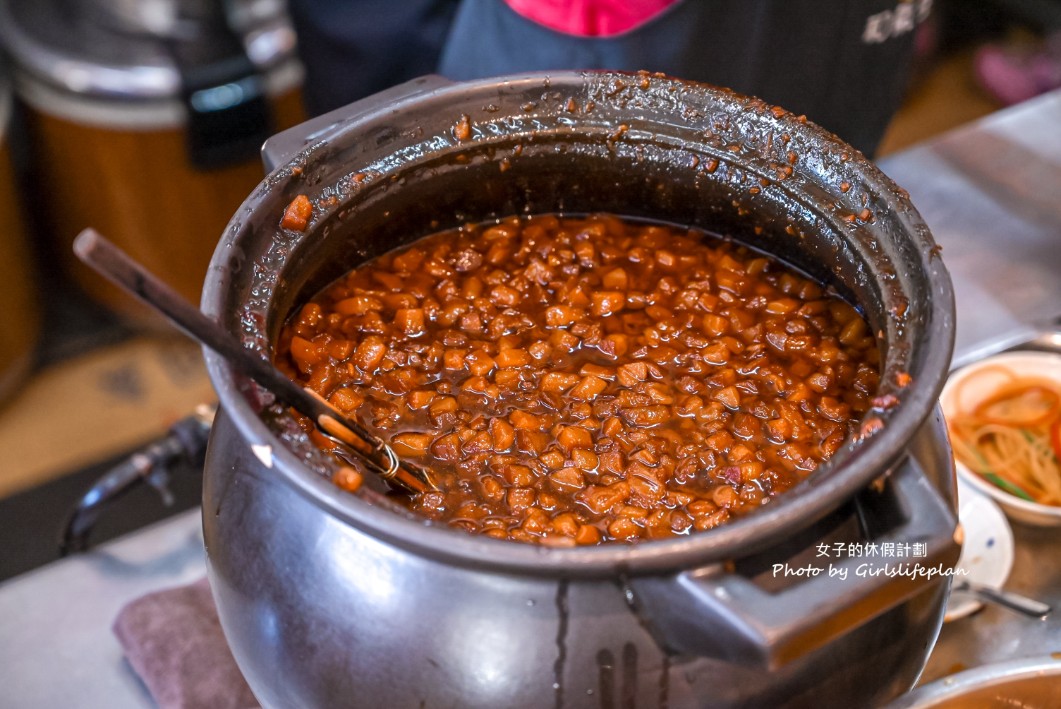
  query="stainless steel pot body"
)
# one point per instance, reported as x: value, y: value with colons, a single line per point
x: 329, y: 599
x: 319, y: 613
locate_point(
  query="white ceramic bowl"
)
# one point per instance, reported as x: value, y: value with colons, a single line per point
x: 1039, y: 364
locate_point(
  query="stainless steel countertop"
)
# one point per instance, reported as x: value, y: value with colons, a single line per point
x: 990, y: 192
x: 56, y: 645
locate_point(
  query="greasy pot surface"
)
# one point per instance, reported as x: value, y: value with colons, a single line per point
x: 634, y: 145
x: 333, y: 599
x: 320, y: 615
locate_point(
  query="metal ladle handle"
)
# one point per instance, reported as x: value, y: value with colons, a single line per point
x: 1007, y: 599
x: 117, y: 266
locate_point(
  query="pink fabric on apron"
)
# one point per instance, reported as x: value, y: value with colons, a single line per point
x: 590, y: 18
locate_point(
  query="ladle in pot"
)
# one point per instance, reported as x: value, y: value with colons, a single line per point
x: 352, y: 438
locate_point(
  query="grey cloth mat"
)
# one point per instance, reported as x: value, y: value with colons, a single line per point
x: 173, y: 640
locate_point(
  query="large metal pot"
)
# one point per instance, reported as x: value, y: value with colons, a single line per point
x: 329, y: 599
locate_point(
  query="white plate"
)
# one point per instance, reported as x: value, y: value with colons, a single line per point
x: 987, y: 552
x: 1035, y: 364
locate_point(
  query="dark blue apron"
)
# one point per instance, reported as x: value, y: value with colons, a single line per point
x: 841, y: 62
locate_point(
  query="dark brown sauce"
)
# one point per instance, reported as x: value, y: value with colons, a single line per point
x: 573, y: 381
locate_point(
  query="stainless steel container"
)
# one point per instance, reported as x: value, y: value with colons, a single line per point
x: 329, y: 599
x: 145, y: 121
x: 172, y: 18
x: 1033, y: 682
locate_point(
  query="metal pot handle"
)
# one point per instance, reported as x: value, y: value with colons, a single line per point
x: 712, y: 612
x: 282, y: 147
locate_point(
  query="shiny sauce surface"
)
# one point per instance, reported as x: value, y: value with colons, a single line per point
x: 576, y: 381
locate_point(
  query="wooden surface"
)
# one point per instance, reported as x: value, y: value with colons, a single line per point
x: 941, y: 98
x: 98, y: 406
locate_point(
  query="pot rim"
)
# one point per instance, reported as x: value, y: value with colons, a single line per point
x: 872, y: 457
